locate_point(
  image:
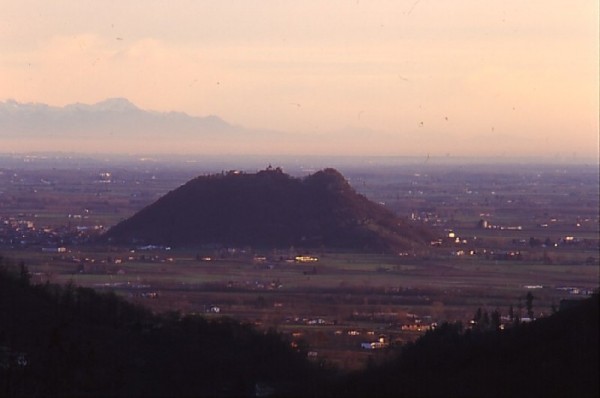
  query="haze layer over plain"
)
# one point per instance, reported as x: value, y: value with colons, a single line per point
x: 342, y: 77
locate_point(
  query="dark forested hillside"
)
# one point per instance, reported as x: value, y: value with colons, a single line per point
x: 550, y: 357
x: 72, y: 341
x: 270, y: 208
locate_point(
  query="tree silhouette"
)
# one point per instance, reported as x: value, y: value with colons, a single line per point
x: 529, y: 305
x: 495, y: 321
x: 477, y: 317
x: 485, y: 321
x: 24, y: 275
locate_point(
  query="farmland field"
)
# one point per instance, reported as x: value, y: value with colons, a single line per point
x: 334, y: 304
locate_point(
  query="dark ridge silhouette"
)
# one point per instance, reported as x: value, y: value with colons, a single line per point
x: 555, y: 356
x: 270, y: 209
x: 74, y: 342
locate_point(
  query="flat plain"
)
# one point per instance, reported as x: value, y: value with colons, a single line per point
x: 503, y: 231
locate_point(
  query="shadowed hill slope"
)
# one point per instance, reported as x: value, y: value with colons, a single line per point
x: 269, y: 208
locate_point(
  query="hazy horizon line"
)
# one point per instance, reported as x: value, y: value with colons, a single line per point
x: 383, y: 159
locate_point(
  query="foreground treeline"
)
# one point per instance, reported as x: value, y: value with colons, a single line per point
x: 555, y: 356
x: 73, y: 341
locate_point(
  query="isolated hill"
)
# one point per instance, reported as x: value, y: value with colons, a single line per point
x: 273, y: 209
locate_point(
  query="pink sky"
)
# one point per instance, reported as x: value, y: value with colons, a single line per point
x: 461, y: 77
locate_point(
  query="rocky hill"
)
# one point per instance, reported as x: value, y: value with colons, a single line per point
x: 270, y: 209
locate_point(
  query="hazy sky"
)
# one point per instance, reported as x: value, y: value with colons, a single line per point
x: 461, y: 77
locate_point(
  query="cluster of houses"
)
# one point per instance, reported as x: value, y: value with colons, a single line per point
x: 22, y: 232
x: 378, y: 344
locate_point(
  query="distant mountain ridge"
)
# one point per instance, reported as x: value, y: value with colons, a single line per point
x: 272, y: 209
x: 111, y: 116
x: 117, y: 126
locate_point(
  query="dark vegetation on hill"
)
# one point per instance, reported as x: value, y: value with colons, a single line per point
x: 555, y: 356
x: 270, y: 209
x: 73, y: 341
